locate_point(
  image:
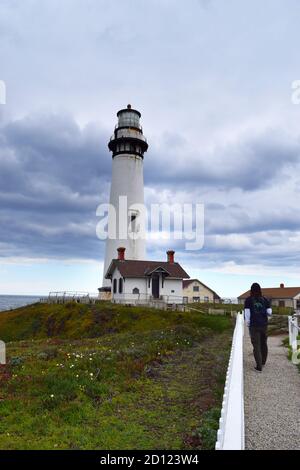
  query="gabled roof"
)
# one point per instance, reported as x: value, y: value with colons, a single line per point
x: 141, y: 268
x: 276, y: 293
x: 187, y: 282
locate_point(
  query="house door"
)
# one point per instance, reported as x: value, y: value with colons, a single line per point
x: 155, y: 287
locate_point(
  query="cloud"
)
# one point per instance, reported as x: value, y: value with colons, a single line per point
x: 249, y: 162
x: 54, y: 173
x: 216, y: 110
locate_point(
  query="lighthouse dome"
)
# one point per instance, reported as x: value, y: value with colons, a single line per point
x: 129, y: 117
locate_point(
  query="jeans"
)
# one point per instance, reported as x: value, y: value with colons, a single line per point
x: 258, y: 336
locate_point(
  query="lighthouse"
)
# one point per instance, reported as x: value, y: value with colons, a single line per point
x: 126, y: 217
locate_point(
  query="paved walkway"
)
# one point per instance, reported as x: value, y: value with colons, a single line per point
x: 272, y: 400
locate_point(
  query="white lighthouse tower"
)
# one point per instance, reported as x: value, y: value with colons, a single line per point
x: 127, y: 218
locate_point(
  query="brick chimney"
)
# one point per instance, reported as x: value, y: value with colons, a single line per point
x: 121, y: 253
x: 281, y: 286
x: 170, y: 254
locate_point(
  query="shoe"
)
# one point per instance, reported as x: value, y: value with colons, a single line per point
x: 257, y: 369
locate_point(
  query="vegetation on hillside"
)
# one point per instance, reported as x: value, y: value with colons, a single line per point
x: 228, y: 308
x: 111, y: 377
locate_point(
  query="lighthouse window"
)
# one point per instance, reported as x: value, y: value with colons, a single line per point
x: 115, y: 286
x: 120, y: 286
x: 133, y: 222
x: 135, y: 290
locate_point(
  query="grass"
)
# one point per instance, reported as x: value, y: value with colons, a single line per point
x: 205, y: 306
x: 228, y: 308
x: 286, y: 343
x: 111, y: 377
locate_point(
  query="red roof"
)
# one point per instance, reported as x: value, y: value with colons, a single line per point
x: 187, y: 282
x: 276, y: 293
x: 141, y: 268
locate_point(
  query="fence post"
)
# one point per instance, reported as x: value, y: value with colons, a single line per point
x: 2, y: 353
x: 295, y: 334
x: 290, y: 330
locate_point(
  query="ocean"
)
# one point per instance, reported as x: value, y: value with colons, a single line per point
x: 8, y: 302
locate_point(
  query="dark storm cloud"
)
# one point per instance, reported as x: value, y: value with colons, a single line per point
x: 54, y: 147
x: 53, y: 174
x: 227, y: 221
x: 250, y: 163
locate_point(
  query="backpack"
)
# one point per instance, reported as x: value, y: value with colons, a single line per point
x: 259, y: 310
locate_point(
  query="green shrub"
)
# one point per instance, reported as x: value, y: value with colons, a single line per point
x: 207, y: 432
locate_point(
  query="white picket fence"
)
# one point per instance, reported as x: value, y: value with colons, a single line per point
x: 231, y: 433
x: 294, y: 332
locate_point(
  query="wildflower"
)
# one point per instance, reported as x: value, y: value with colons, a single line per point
x: 52, y: 396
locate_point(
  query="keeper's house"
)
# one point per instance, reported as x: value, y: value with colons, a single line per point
x: 144, y: 282
x: 279, y: 296
x: 196, y: 291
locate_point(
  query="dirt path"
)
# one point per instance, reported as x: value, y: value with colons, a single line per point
x: 272, y: 400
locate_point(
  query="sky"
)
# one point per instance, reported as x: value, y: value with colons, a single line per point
x: 213, y: 81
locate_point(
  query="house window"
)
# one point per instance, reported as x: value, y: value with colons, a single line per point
x: 120, y: 286
x: 135, y: 290
x: 185, y: 300
x: 196, y: 288
x: 206, y: 299
x: 115, y: 286
x: 281, y: 303
x: 196, y: 299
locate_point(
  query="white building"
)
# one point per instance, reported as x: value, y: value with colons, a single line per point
x: 128, y: 146
x: 146, y: 282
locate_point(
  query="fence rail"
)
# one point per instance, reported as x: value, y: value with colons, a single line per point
x: 231, y: 433
x: 69, y: 296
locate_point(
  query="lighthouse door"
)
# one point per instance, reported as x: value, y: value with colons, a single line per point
x: 155, y: 286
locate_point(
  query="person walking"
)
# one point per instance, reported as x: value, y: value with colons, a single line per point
x: 257, y: 310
